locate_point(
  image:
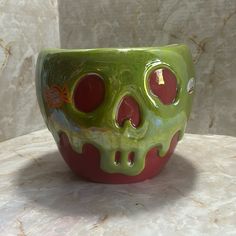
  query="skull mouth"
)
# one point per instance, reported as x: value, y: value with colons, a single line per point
x: 130, y: 158
x: 88, y: 163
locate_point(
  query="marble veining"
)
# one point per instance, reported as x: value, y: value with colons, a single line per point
x: 194, y: 195
x: 207, y: 27
x: 26, y: 28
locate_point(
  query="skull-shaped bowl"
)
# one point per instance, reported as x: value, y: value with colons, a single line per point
x: 116, y: 114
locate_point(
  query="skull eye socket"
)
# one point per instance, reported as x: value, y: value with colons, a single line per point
x: 163, y: 84
x: 89, y: 93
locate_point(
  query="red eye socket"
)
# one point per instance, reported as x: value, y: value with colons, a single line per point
x: 89, y: 93
x: 163, y: 84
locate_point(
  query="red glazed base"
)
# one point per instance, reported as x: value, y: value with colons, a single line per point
x: 87, y: 163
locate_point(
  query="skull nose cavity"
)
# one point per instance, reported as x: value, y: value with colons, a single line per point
x: 128, y: 110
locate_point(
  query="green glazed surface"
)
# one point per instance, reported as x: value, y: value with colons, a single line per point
x: 125, y: 72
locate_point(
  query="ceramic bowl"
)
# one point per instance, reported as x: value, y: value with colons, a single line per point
x: 116, y: 114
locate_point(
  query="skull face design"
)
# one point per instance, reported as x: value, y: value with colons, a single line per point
x: 116, y: 114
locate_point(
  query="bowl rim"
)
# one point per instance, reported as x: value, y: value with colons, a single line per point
x: 113, y: 49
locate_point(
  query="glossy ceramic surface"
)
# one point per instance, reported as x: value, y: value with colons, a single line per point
x: 116, y: 114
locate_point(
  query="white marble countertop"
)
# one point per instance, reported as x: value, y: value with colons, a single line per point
x: 194, y: 195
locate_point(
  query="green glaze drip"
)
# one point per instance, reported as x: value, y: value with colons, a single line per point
x: 125, y: 72
x: 108, y: 142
